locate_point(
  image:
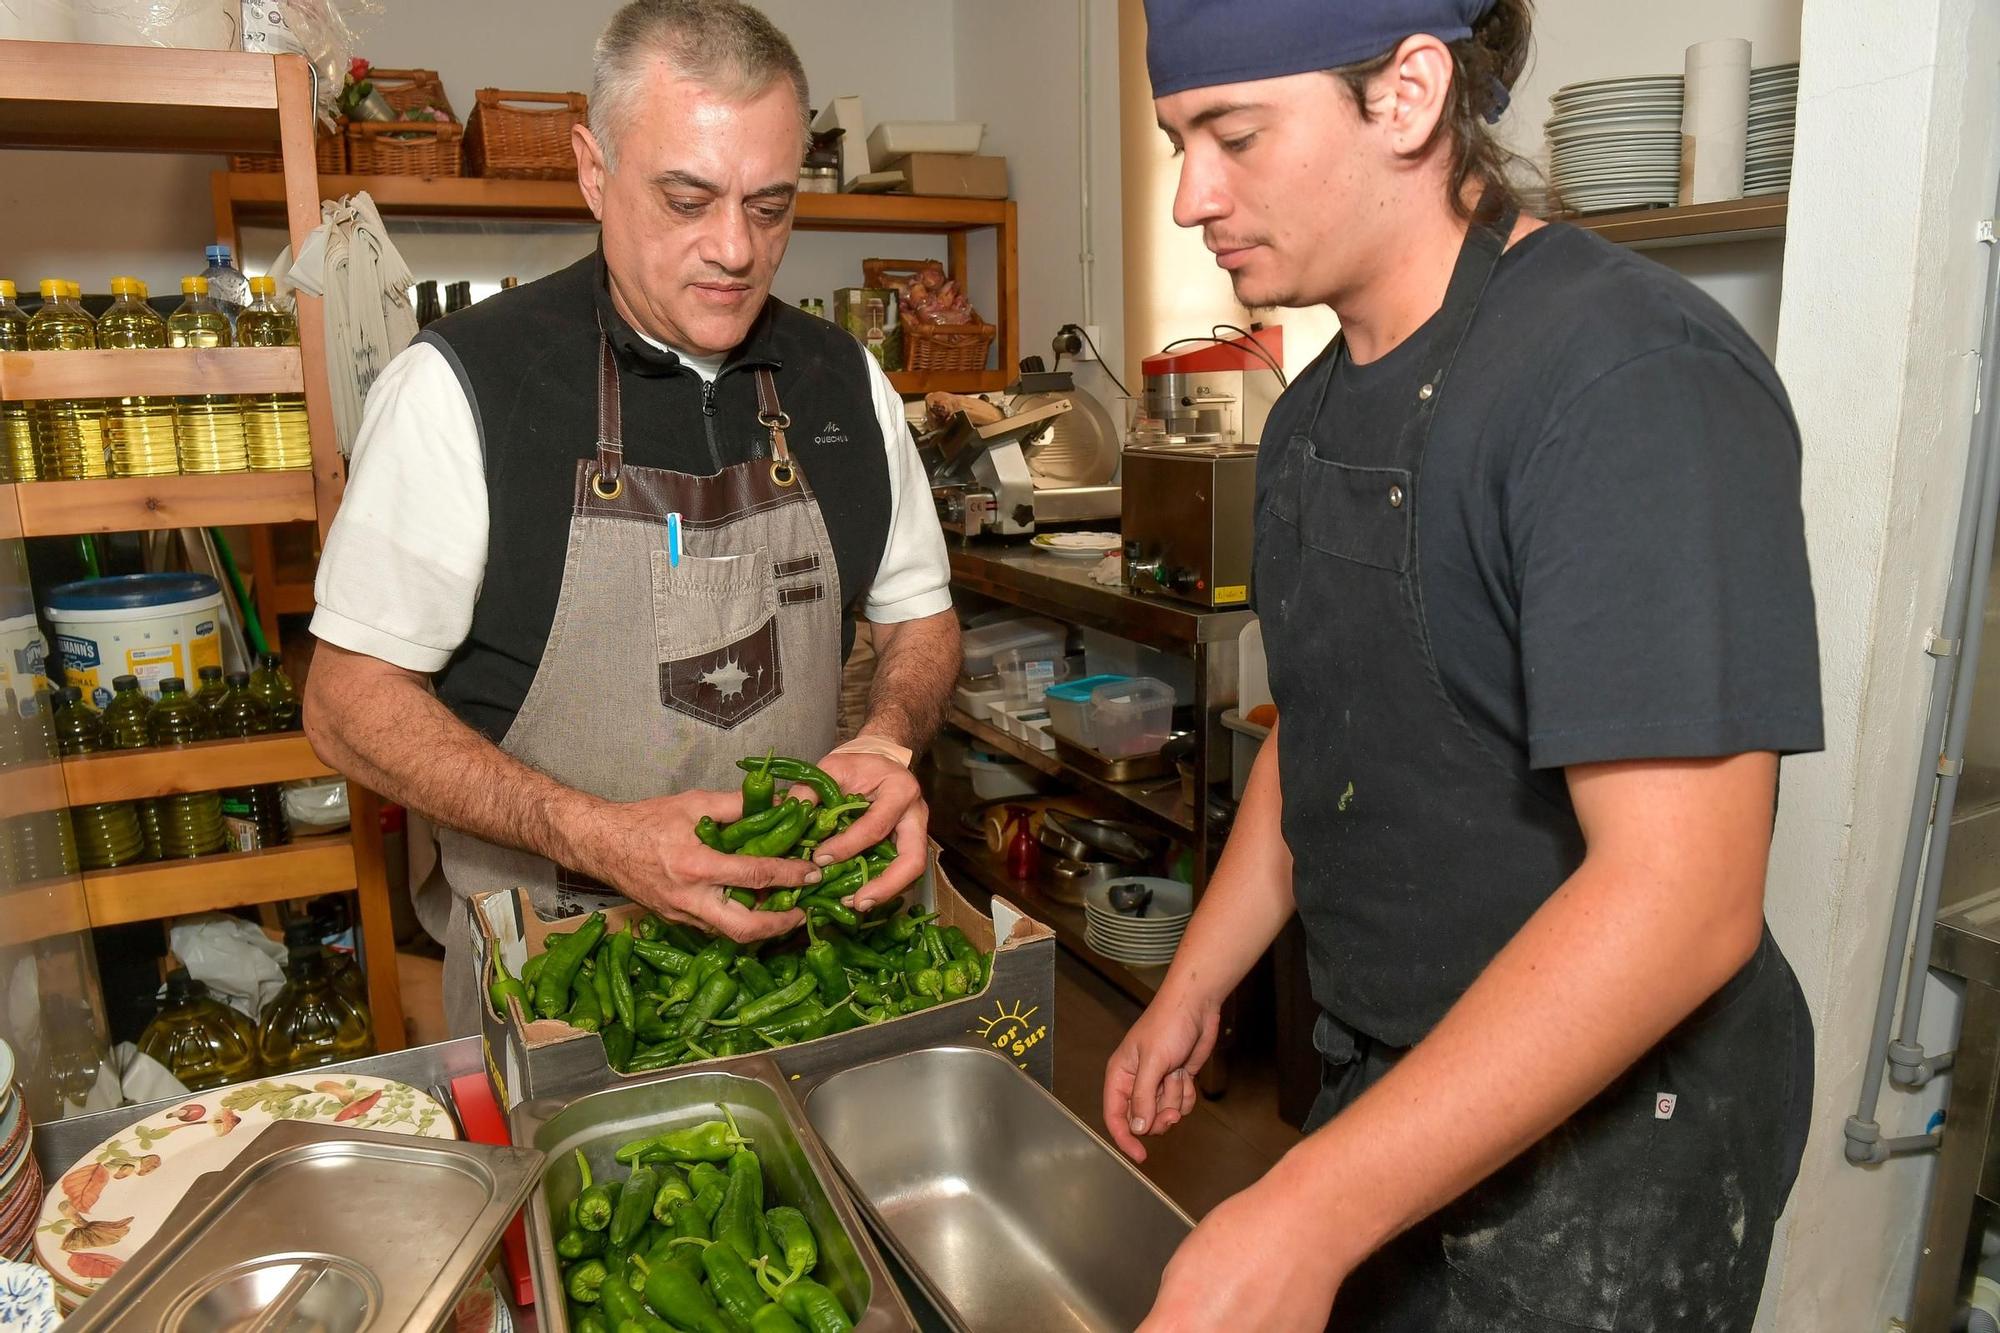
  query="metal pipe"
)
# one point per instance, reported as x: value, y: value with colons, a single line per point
x: 1909, y: 1059
x: 1864, y: 1143
x: 1086, y: 258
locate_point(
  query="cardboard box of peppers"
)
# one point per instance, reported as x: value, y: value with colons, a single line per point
x: 660, y: 993
x: 685, y: 1242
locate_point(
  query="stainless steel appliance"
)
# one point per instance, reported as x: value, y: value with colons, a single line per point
x: 1187, y: 520
x: 1219, y: 393
x: 1053, y: 458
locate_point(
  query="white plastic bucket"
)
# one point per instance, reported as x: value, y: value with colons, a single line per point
x: 152, y: 626
x: 23, y: 658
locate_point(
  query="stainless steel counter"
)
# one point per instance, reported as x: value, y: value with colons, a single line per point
x: 1967, y: 945
x: 1056, y: 586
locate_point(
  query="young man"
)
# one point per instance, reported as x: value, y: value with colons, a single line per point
x: 1531, y: 566
x: 581, y: 509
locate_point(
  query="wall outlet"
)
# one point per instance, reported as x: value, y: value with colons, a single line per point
x: 1093, y: 336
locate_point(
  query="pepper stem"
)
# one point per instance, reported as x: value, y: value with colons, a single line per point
x: 771, y: 1289
x: 736, y: 1135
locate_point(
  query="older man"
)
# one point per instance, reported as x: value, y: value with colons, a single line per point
x: 581, y: 511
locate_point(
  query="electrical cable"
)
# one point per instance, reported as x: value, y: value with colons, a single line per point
x: 1257, y: 347
x: 1079, y: 331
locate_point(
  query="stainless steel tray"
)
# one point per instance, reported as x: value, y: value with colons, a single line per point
x: 335, y: 1230
x: 1007, y: 1209
x: 1131, y: 768
x: 796, y: 1172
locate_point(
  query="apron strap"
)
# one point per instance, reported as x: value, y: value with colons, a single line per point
x: 774, y: 418
x: 609, y: 481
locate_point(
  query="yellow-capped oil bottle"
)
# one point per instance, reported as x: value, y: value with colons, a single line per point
x: 310, y: 1023
x: 274, y: 424
x: 69, y: 432
x: 17, y: 427
x: 207, y: 427
x: 107, y: 835
x: 140, y: 430
x: 190, y: 822
x: 197, y: 1037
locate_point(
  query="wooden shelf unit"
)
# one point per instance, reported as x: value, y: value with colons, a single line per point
x: 160, y: 371
x: 42, y: 909
x: 135, y: 775
x: 139, y: 99
x: 137, y: 504
x: 1761, y: 218
x: 155, y: 889
x: 151, y: 99
x: 241, y: 196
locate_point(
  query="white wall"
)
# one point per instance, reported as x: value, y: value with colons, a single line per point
x: 1896, y: 163
x: 1018, y: 69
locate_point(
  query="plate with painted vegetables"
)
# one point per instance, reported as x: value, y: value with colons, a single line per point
x: 114, y: 1199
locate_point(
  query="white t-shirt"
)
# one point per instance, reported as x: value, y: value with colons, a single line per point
x: 406, y: 555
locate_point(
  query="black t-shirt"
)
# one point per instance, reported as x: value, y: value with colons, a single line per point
x: 1611, y: 550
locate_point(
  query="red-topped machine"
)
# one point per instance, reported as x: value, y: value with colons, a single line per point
x: 1208, y: 391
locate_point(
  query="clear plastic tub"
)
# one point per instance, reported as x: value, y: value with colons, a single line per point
x: 1033, y: 637
x: 1026, y: 677
x: 1069, y: 708
x: 1131, y: 716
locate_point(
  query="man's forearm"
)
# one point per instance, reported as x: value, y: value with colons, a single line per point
x: 384, y: 728
x: 1611, y: 963
x: 1249, y: 896
x: 916, y: 665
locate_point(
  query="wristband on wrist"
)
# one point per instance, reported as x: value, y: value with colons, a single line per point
x: 888, y: 749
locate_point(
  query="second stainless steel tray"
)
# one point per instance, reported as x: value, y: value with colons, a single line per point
x: 316, y: 1227
x: 1007, y: 1209
x: 794, y: 1168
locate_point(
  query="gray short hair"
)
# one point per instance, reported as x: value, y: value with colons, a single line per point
x: 723, y: 44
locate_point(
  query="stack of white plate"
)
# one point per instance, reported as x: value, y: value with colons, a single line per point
x: 1146, y: 938
x: 20, y: 1177
x: 1616, y: 143
x: 1774, y: 110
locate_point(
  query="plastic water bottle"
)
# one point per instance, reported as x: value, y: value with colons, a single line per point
x: 227, y: 287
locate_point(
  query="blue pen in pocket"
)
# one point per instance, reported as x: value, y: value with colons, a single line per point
x: 674, y: 540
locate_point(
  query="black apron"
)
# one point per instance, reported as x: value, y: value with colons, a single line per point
x: 1419, y: 850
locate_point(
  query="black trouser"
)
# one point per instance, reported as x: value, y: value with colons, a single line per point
x: 1649, y: 1211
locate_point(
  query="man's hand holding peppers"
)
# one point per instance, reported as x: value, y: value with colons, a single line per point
x: 648, y: 851
x: 879, y: 770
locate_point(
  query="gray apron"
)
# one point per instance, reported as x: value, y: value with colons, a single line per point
x: 698, y: 623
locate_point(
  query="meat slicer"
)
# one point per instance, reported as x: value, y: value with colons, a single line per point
x: 1051, y: 458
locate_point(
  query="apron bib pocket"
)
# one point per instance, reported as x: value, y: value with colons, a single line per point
x: 1362, y: 514
x: 715, y: 625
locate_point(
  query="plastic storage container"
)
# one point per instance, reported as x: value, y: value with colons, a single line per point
x: 1245, y: 739
x: 1131, y: 717
x: 1026, y: 677
x: 151, y: 626
x: 1069, y: 707
x: 998, y: 779
x: 1031, y: 636
x: 1108, y: 655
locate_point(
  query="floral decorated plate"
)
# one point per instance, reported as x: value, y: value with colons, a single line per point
x: 113, y: 1200
x: 27, y: 1300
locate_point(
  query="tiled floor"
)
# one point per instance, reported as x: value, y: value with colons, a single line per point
x: 1226, y: 1144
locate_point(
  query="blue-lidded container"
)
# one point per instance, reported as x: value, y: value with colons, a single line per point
x: 152, y: 626
x: 1069, y: 707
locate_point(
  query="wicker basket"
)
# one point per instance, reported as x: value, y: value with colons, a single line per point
x: 945, y: 346
x: 329, y: 154
x: 409, y: 89
x: 405, y: 148
x: 524, y: 142
x: 929, y: 346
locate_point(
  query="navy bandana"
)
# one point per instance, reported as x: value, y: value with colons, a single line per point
x: 1201, y: 43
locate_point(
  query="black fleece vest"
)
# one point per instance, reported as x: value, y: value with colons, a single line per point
x: 528, y: 360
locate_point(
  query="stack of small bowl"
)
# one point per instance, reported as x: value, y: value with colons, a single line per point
x: 1145, y: 936
x: 20, y: 1176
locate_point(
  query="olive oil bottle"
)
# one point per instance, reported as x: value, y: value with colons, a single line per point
x: 208, y: 428
x: 17, y: 427
x: 69, y: 432
x: 274, y: 424
x: 190, y: 822
x: 140, y: 430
